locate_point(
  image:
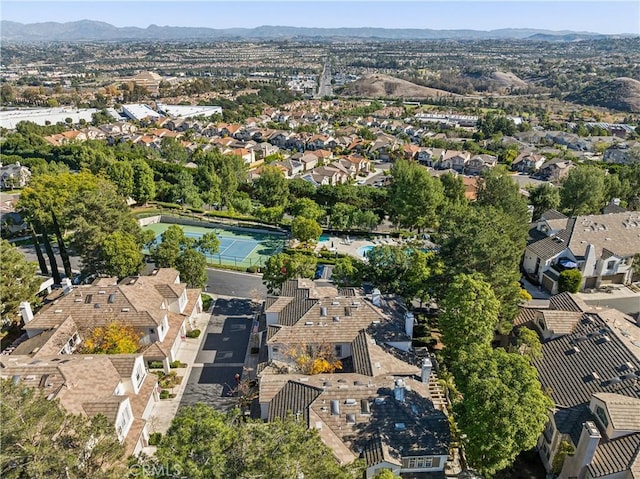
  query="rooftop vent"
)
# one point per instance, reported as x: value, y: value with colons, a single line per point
x: 355, y: 304
x: 351, y: 418
x: 335, y: 303
x: 96, y: 306
x: 335, y: 407
x: 603, y: 339
x: 365, y: 408
x: 350, y: 402
x: 336, y: 319
x: 88, y: 299
x: 112, y: 298
x: 323, y: 311
x: 308, y: 323
x: 78, y: 300
x: 400, y: 426
x: 379, y: 400
x: 125, y: 310
x: 347, y: 311
x: 57, y: 311
x: 102, y: 292
x: 595, y: 376
x: 573, y: 350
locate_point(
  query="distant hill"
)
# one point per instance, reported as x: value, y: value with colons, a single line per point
x: 385, y: 86
x: 89, y: 30
x: 619, y: 94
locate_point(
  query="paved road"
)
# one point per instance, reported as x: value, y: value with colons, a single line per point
x: 230, y: 283
x: 324, y: 84
x: 221, y: 354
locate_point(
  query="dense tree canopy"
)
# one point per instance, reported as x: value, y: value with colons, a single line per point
x: 282, y: 266
x: 414, y: 195
x: 205, y: 443
x: 469, y: 314
x: 583, y: 191
x: 40, y: 440
x: 504, y: 409
x: 18, y: 282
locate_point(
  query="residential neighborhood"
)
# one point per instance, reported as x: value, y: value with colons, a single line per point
x: 315, y: 251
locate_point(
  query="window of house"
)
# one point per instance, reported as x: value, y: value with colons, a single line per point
x: 602, y: 416
x: 339, y: 350
x: 611, y: 264
x: 140, y: 373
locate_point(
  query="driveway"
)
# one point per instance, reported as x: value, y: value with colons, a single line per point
x: 221, y: 356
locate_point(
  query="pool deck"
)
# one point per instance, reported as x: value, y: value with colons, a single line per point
x: 351, y: 247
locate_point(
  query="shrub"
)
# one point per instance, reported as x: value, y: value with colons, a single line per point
x: 164, y: 394
x: 176, y: 364
x: 154, y: 438
x: 193, y: 333
x: 206, y: 301
x: 155, y: 365
x: 253, y: 269
x: 570, y: 280
x: 171, y: 206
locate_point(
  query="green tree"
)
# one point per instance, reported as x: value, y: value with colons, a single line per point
x: 543, y: 197
x: 121, y: 174
x: 387, y: 267
x: 583, y: 191
x: 487, y: 241
x: 205, y: 443
x: 40, y: 440
x: 7, y: 95
x: 364, y: 219
x: 570, y: 280
x: 307, y: 208
x: 271, y: 188
x: 346, y: 271
x: 453, y: 188
x: 271, y: 215
x: 504, y: 410
x: 414, y: 195
x: 192, y: 266
x: 208, y: 243
x: 173, y: 151
x: 173, y: 242
x: 497, y: 189
x: 528, y: 343
x: 121, y: 255
x: 342, y: 216
x: 469, y: 314
x: 385, y: 474
x: 144, y: 188
x: 281, y: 267
x: 305, y: 229
x: 18, y: 280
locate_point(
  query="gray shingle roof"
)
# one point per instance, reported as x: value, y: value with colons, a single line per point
x: 361, y: 359
x: 570, y: 420
x: 615, y: 456
x: 552, y: 246
x: 568, y: 372
x: 552, y: 214
x: 294, y: 398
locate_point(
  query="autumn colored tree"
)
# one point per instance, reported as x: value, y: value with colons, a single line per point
x: 115, y: 338
x: 314, y: 358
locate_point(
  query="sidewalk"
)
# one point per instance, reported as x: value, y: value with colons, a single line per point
x: 165, y: 410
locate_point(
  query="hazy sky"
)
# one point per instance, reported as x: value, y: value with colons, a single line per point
x: 601, y: 16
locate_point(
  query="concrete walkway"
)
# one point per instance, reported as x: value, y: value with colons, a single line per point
x: 165, y: 410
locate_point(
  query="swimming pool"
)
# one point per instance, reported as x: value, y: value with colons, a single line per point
x: 363, y: 251
x: 324, y: 237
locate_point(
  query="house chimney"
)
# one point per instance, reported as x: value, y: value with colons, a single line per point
x: 576, y: 465
x: 376, y: 298
x: 26, y: 312
x: 425, y: 372
x: 323, y: 311
x: 409, y: 320
x: 66, y: 285
x: 398, y: 390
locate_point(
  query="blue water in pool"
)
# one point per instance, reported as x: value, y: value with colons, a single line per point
x: 364, y: 250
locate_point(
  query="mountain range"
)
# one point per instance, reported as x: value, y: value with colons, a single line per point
x: 89, y: 30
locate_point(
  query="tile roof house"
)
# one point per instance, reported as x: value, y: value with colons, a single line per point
x: 590, y: 365
x: 14, y: 176
x: 381, y: 406
x: 602, y: 247
x: 528, y: 162
x: 158, y: 307
x: 117, y: 386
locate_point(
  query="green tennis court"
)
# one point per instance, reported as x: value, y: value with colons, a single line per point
x: 238, y: 248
